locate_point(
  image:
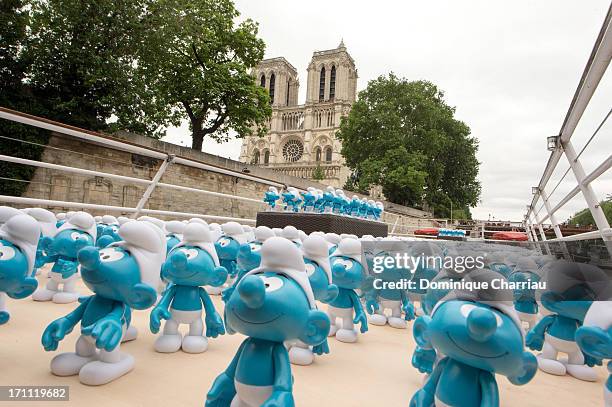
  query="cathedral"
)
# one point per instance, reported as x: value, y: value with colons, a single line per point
x: 300, y: 139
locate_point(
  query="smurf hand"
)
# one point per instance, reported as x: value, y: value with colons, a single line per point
x: 4, y: 317
x: 534, y: 341
x: 591, y: 361
x: 214, y: 326
x: 107, y: 331
x: 321, y: 348
x: 55, y: 332
x: 422, y: 399
x: 226, y: 294
x: 279, y: 399
x: 423, y: 359
x: 222, y: 392
x: 371, y: 306
x: 409, y: 311
x: 361, y: 318
x: 157, y: 315
x: 46, y: 245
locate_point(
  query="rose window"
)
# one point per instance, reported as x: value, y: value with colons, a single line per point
x: 293, y: 150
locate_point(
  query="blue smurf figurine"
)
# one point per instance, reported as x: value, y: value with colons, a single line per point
x: 77, y: 232
x: 122, y: 276
x: 570, y: 290
x: 327, y: 200
x: 227, y: 247
x: 380, y: 299
x: 316, y: 258
x: 47, y: 222
x: 348, y: 274
x: 174, y: 234
x: 480, y: 334
x: 338, y: 202
x: 291, y: 199
x: 107, y: 230
x: 272, y: 304
x: 271, y: 197
x: 18, y: 241
x: 594, y: 337
x: 192, y: 264
x: 309, y: 197
x: 526, y: 270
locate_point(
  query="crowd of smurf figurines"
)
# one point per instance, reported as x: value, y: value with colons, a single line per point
x: 272, y: 282
x: 317, y: 201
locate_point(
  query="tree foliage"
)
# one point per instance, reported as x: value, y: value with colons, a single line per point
x: 403, y: 136
x: 584, y: 217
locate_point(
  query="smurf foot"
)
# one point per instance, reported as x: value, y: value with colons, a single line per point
x: 65, y: 297
x: 194, y: 344
x: 378, y: 319
x: 582, y: 372
x: 301, y: 356
x: 168, y: 343
x: 44, y: 294
x: 551, y: 366
x: 397, y: 323
x: 69, y: 364
x: 346, y: 335
x: 101, y: 372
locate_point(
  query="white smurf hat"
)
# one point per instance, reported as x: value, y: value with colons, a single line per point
x: 316, y: 248
x: 109, y: 220
x: 146, y: 243
x: 123, y: 219
x: 198, y: 235
x: 263, y: 233
x: 23, y: 231
x: 277, y: 231
x: 332, y: 238
x: 46, y: 220
x: 281, y: 256
x: 160, y: 224
x: 350, y: 248
x: 175, y: 227
x: 98, y: 219
x: 61, y: 216
x: 291, y: 233
x: 234, y: 230
x: 80, y: 221
x: 7, y: 212
x: 198, y: 220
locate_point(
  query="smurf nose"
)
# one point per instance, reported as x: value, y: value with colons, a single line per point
x: 481, y: 324
x: 89, y: 257
x: 338, y: 270
x: 252, y: 291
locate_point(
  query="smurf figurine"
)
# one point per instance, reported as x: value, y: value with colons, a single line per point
x: 107, y: 230
x: 46, y: 220
x: 594, y: 337
x: 524, y: 299
x: 174, y: 234
x: 318, y: 269
x: 272, y: 304
x: 122, y: 276
x: 348, y: 274
x: 192, y: 264
x: 570, y: 290
x: 309, y: 197
x: 291, y: 199
x: 338, y: 202
x: 227, y: 249
x: 328, y: 200
x: 18, y: 240
x: 271, y: 197
x: 77, y: 232
x: 481, y: 335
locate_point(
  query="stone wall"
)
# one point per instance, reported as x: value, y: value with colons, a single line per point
x: 74, y: 152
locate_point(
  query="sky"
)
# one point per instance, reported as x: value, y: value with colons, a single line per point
x: 510, y: 68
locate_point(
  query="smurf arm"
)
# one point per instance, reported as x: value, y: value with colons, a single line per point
x: 425, y: 397
x: 407, y: 306
x: 58, y: 329
x: 535, y: 337
x: 371, y: 298
x: 160, y: 311
x: 488, y: 390
x: 108, y: 330
x: 214, y: 323
x: 423, y: 359
x: 360, y: 316
x: 4, y: 315
x: 223, y: 389
x: 281, y: 393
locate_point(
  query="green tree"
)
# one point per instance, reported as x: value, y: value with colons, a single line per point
x: 193, y: 63
x: 584, y: 217
x: 318, y: 174
x: 403, y: 136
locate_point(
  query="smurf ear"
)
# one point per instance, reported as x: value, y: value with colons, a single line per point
x: 104, y: 241
x: 142, y: 296
x: 27, y: 287
x: 529, y: 369
x: 419, y: 331
x: 219, y: 277
x: 317, y: 328
x: 594, y: 341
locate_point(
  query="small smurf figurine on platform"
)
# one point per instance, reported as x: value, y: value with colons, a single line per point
x: 122, y: 276
x: 480, y: 334
x: 18, y: 240
x: 270, y: 197
x: 192, y: 263
x: 309, y: 197
x: 595, y: 339
x: 348, y: 274
x: 272, y: 304
x: 318, y: 269
x: 77, y: 232
x: 570, y: 290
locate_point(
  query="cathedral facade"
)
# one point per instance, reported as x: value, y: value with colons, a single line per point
x: 300, y: 139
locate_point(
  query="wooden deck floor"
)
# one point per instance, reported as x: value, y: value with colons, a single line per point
x: 376, y: 371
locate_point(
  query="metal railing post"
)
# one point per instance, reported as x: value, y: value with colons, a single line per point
x: 147, y: 193
x: 551, y: 215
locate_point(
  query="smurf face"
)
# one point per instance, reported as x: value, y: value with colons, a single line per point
x: 268, y: 306
x: 572, y: 303
x: 249, y: 256
x: 191, y: 266
x: 110, y: 230
x: 13, y: 266
x: 477, y: 335
x: 319, y: 281
x: 68, y: 242
x: 346, y: 272
x: 227, y: 248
